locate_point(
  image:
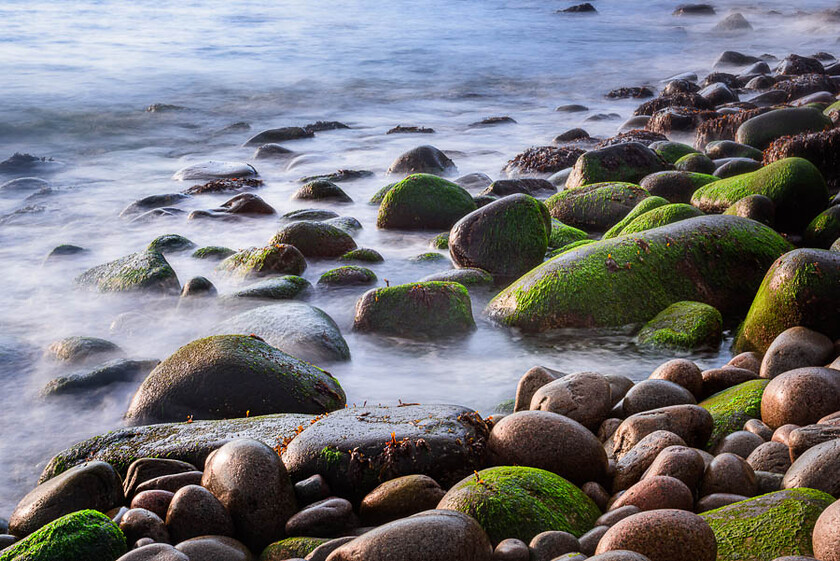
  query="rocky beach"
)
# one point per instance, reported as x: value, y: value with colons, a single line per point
x: 577, y: 296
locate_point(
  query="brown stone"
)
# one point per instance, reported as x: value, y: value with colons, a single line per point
x: 512, y: 549
x: 329, y: 518
x: 400, y: 497
x: 529, y: 383
x: 632, y: 465
x: 827, y: 534
x: 193, y: 512
x: 654, y: 394
x: 805, y: 438
x: 796, y: 347
x: 680, y: 462
x: 741, y: 443
x: 782, y: 433
x: 583, y: 397
x: 144, y: 469
x: 597, y: 493
x: 662, y: 535
x: 613, y: 517
x: 546, y: 546
x: 171, y: 483
x: 215, y: 548
x: 619, y: 386
x: 729, y: 473
x: 154, y: 552
x: 758, y: 427
x: 657, y: 492
x: 690, y: 422
x: 140, y: 523
x: 682, y: 372
x: 156, y: 501
x: 801, y: 397
x: 816, y: 469
x: 770, y: 456
x: 589, y: 541
x: 717, y: 500
x: 748, y: 360
x: 718, y: 379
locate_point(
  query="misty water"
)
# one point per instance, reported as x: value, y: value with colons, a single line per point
x: 77, y: 77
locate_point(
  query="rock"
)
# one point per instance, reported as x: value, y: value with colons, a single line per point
x: 215, y: 253
x: 546, y: 546
x: 144, y: 271
x: 249, y: 376
x: 682, y: 372
x: 247, y: 204
x: 631, y: 465
x: 198, y: 287
x: 662, y: 535
x: 400, y: 129
x: 754, y: 207
x: 330, y: 517
x: 194, y: 511
x: 695, y: 163
x: 675, y: 186
x: 589, y: 541
x: 728, y: 473
x: 579, y: 9
x: 296, y: 547
x: 85, y: 534
x: 295, y: 328
x: 596, y: 207
x: 718, y: 94
x: 154, y: 500
x: 315, y: 239
x: 93, y: 485
x: 639, y: 272
x: 399, y: 498
x: 356, y: 449
x: 418, y: 310
x: 364, y: 255
x: 82, y: 349
x: 797, y: 65
x: 348, y: 275
x: 434, y: 535
x: 795, y: 292
x: 769, y: 526
x: 730, y: 149
x: 279, y: 135
x: 796, y: 347
x: 671, y: 151
x: 747, y: 361
x: 225, y: 185
x: 542, y: 160
x: 685, y: 326
x: 659, y: 216
x: 562, y: 235
x: 741, y: 443
x: 63, y: 251
x: 139, y: 523
x: 794, y: 185
x: 826, y: 536
x: 506, y: 238
x: 312, y: 489
x: 287, y: 287
x: 468, y: 277
x: 170, y: 243
x: 718, y: 379
x: 24, y: 184
x: 623, y: 162
x: 145, y: 469
x: 215, y: 170
x: 521, y: 502
x: 732, y: 23
x: 718, y: 500
x: 112, y: 372
x: 801, y: 397
x: 690, y: 422
x: 824, y: 229
x: 272, y: 151
x: 154, y: 552
x: 761, y: 130
x: 770, y: 456
x: 640, y: 136
x: 423, y: 159
x: 256, y: 262
x: 694, y: 10
x: 819, y: 148
x: 215, y: 548
x: 646, y: 205
x: 724, y: 127
x: 804, y: 438
x: 423, y: 201
x: 172, y: 483
x: 320, y: 190
x: 583, y: 397
x: 339, y: 176
x: 657, y: 492
x: 530, y: 382
x: 733, y: 407
x: 511, y: 549
x: 525, y: 186
x: 816, y: 469
x: 679, y: 462
x: 653, y: 394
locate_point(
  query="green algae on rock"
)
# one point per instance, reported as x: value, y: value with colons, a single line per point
x: 644, y: 206
x: 596, y: 207
x: 521, y: 502
x: 684, y: 326
x: 695, y: 163
x: 441, y: 241
x: 795, y: 186
x: 563, y: 234
x: 227, y: 376
x: 671, y: 151
x: 171, y: 243
x: 799, y: 289
x: 676, y: 186
x: 84, y: 535
x: 661, y: 216
x: 314, y: 239
x: 144, y: 271
x: 287, y: 287
x: 761, y: 130
x: 348, y: 275
x: 422, y: 309
x: 290, y: 548
x: 423, y: 201
x: 824, y: 229
x: 568, y: 247
x: 764, y: 528
x: 256, y: 262
x: 212, y: 252
x: 733, y: 407
x: 364, y: 255
x: 468, y: 277
x: 626, y: 162
x: 718, y: 260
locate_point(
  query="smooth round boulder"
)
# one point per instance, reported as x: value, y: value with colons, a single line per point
x: 657, y: 492
x: 433, y: 535
x: 423, y: 159
x: 331, y: 517
x: 757, y: 426
x: 680, y: 462
x: 194, y: 511
x: 589, y: 541
x: 718, y: 379
x: 548, y: 545
x: 424, y: 202
x: 315, y: 239
x: 257, y: 262
x: 154, y: 552
x: 827, y: 534
x: 215, y: 548
x: 548, y: 441
x: 155, y: 500
x: 653, y: 394
x: 729, y: 473
x: 817, y: 468
x: 399, y: 498
x: 801, y: 397
x: 662, y: 535
x: 230, y: 376
x: 251, y: 482
x: 138, y: 523
x: 741, y: 443
x: 583, y: 397
x: 322, y: 190
x: 512, y: 549
x: 631, y: 466
x: 619, y: 555
x: 796, y: 347
x: 92, y: 485
x: 748, y: 360
x: 690, y: 422
x: 530, y: 382
x: 144, y: 469
x: 718, y: 500
x: 683, y: 372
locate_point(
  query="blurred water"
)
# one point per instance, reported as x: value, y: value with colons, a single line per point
x: 77, y: 77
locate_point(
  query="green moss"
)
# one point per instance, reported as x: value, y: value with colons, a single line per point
x: 428, y: 257
x: 621, y: 162
x: 795, y: 185
x: 596, y: 207
x: 290, y: 548
x: 767, y: 527
x: 424, y: 201
x: 661, y: 216
x: 170, y: 243
x: 347, y: 275
x: 379, y: 196
x: 733, y: 407
x: 646, y: 205
x: 212, y: 252
x: 521, y: 502
x: 144, y: 271
x: 562, y: 235
x: 331, y: 457
x: 698, y: 163
x: 685, y: 326
x: 719, y: 260
x: 286, y: 287
x: 441, y: 241
x: 568, y: 247
x: 364, y: 255
x: 672, y: 151
x: 824, y: 229
x: 257, y: 262
x: 84, y: 535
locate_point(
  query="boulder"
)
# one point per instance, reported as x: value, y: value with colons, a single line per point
x: 630, y: 162
x: 226, y: 376
x: 347, y: 275
x: 819, y: 148
x: 144, y: 271
x: 816, y: 468
x: 824, y: 229
x: 256, y: 262
x: 761, y: 130
x: 690, y: 422
x: 85, y: 383
x: 282, y: 134
x: 171, y: 243
x: 85, y: 534
x: 423, y: 201
x: 322, y: 190
x: 801, y: 397
x: 644, y: 206
x: 562, y: 234
x: 675, y: 186
x: 662, y: 535
x: 286, y: 287
x: 423, y: 159
x: 596, y: 207
x: 826, y: 537
x: 796, y: 347
x: 400, y: 497
x: 684, y: 326
x: 653, y: 394
x: 660, y: 216
x: 583, y: 397
x: 542, y: 160
x: 314, y: 239
x: 215, y: 170
x: 296, y: 547
x: 733, y: 407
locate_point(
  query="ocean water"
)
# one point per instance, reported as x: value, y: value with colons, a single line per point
x: 77, y: 77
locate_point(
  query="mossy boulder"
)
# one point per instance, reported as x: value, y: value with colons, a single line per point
x: 823, y: 229
x: 379, y: 196
x: 421, y: 309
x: 820, y: 148
x: 322, y: 190
x: 661, y: 216
x: 730, y: 149
x: 764, y: 528
x: 733, y: 407
x: 348, y: 275
x: 257, y: 262
x: 315, y: 239
x: 718, y: 260
x: 287, y: 287
x: 646, y: 205
x: 467, y: 277
x: 428, y: 257
x: 671, y: 151
x: 291, y: 548
x: 506, y: 238
x: 761, y: 130
x: 794, y: 185
x: 597, y: 207
x: 441, y: 241
x: 226, y: 376
x: 422, y: 201
x: 626, y: 162
x: 145, y: 271
x: 171, y: 243
x: 799, y: 289
x: 696, y: 163
x: 676, y: 186
x: 568, y: 247
x: 212, y: 252
x: 521, y: 502
x: 84, y: 535
x: 364, y: 255
x: 684, y: 326
x: 563, y: 234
